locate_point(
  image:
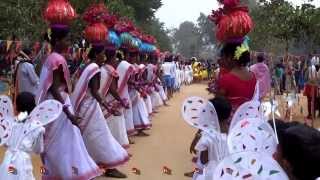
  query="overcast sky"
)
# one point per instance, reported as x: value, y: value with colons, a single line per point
x: 174, y: 12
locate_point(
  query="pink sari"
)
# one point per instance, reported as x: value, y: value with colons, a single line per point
x: 61, y: 137
x: 263, y: 76
x: 100, y: 143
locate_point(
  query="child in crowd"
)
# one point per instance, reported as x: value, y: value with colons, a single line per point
x: 211, y: 148
x: 299, y: 150
x: 23, y: 134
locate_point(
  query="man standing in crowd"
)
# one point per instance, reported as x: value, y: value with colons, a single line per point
x: 26, y: 79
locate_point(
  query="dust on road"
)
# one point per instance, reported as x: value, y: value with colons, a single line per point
x: 167, y: 144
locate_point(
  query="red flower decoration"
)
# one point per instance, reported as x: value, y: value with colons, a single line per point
x: 95, y: 13
x: 124, y: 25
x: 167, y: 170
x: 96, y: 32
x: 110, y: 20
x: 59, y: 12
x: 149, y: 39
x: 136, y: 32
x: 232, y: 23
x: 136, y: 171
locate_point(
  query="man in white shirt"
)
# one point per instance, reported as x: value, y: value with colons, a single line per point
x: 26, y: 79
x: 167, y: 73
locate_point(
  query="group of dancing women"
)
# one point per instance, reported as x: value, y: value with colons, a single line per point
x: 108, y: 101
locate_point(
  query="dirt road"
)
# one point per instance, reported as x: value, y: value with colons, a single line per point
x: 168, y: 144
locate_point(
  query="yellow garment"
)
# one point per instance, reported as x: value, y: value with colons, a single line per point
x: 196, y: 72
x: 204, y: 74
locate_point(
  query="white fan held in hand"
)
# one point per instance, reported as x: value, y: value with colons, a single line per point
x: 249, y: 166
x: 250, y: 109
x: 252, y: 134
x: 201, y: 114
x: 43, y: 114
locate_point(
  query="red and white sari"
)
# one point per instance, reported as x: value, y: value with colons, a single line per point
x: 140, y: 113
x: 61, y: 136
x: 147, y: 89
x: 125, y: 71
x: 100, y: 143
x: 152, y: 79
x: 117, y: 124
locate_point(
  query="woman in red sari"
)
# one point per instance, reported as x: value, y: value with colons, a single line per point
x: 238, y: 85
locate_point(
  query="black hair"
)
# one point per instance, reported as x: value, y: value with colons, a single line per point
x: 27, y: 51
x: 133, y: 53
x: 222, y: 106
x: 229, y: 50
x: 110, y: 54
x: 94, y: 51
x: 142, y: 57
x: 25, y: 102
x: 260, y: 58
x: 169, y: 58
x: 120, y: 56
x: 57, y: 34
x: 300, y: 146
x: 177, y: 58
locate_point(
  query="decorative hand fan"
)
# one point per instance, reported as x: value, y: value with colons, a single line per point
x: 252, y: 135
x: 46, y: 112
x: 43, y: 114
x: 201, y: 114
x: 250, y: 109
x: 6, y: 119
x: 249, y: 166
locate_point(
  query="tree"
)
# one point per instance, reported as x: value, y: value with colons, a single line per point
x: 206, y: 29
x: 157, y: 29
x: 187, y: 39
x: 281, y: 27
x: 23, y: 18
x: 144, y: 10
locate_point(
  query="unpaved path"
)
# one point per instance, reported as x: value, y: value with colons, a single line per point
x: 167, y: 144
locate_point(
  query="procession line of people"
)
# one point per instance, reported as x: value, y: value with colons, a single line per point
x: 98, y: 110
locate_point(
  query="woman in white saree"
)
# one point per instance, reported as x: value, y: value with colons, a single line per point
x: 109, y: 90
x: 100, y: 143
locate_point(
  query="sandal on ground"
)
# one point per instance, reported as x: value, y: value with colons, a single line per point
x: 142, y: 134
x: 114, y: 173
x: 189, y: 174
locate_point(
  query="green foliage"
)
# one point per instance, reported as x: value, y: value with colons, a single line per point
x: 187, y: 39
x: 23, y: 18
x: 157, y: 29
x: 144, y: 9
x: 281, y: 27
x: 195, y: 39
x: 206, y: 28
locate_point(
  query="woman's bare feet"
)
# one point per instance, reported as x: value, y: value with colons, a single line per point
x: 131, y: 141
x: 142, y: 134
